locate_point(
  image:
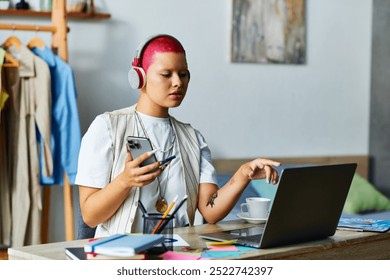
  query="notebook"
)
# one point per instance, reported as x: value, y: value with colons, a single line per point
x: 123, y: 245
x: 78, y: 253
x: 307, y: 206
x: 363, y: 224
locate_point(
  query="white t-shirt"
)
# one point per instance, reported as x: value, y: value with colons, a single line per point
x: 95, y: 156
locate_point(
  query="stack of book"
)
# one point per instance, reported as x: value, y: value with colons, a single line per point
x: 78, y: 253
x: 116, y: 247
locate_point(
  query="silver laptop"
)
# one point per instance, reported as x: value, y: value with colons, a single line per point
x: 307, y: 206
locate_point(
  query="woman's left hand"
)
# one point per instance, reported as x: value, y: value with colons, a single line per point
x: 261, y: 168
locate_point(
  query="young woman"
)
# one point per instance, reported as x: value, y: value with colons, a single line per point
x: 111, y: 182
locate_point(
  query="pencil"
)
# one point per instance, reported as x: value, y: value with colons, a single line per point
x: 173, y: 214
x: 165, y: 215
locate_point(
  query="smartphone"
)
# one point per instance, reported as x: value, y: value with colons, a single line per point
x: 139, y: 145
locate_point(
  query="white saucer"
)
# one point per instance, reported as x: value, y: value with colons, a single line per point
x: 245, y: 216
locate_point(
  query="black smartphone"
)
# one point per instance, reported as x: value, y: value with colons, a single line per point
x: 139, y: 145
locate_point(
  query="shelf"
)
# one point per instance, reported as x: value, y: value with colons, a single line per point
x: 30, y: 13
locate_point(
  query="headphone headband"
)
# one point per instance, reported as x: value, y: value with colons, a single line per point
x: 137, y: 61
x: 136, y: 75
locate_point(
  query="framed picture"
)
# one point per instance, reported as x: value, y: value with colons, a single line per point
x: 268, y: 31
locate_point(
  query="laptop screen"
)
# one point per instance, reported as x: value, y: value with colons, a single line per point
x: 307, y: 206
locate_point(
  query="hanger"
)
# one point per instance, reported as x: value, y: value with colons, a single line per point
x: 36, y: 42
x: 10, y: 61
x: 12, y: 41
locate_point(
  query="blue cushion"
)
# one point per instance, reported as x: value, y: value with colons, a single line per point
x: 264, y: 189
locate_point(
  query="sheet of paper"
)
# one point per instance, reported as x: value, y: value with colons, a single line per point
x: 220, y: 248
x: 177, y: 240
x: 169, y: 255
x: 220, y: 254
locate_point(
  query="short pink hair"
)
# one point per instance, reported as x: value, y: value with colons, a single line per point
x: 160, y: 44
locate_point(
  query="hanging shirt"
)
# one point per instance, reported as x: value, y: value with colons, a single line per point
x: 66, y: 134
x: 30, y: 114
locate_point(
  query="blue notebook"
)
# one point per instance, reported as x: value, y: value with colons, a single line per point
x: 123, y: 245
x: 363, y: 224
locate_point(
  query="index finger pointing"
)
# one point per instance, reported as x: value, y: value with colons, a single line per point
x: 270, y: 162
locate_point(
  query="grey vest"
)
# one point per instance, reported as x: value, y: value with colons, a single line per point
x: 121, y: 124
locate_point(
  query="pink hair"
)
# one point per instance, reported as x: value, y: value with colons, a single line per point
x: 160, y: 44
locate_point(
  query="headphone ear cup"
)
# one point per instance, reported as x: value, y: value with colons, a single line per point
x: 136, y: 77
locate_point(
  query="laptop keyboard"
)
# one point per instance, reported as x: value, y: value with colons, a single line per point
x: 253, y: 239
x: 249, y: 236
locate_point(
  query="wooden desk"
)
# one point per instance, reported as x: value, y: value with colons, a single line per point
x: 344, y: 245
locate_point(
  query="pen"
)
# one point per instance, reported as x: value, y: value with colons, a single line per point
x: 350, y: 229
x: 164, y: 215
x: 173, y: 214
x: 164, y: 163
x: 227, y: 242
x: 142, y: 208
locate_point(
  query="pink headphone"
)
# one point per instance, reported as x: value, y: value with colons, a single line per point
x: 136, y: 75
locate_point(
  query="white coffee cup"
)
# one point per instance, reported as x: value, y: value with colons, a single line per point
x: 258, y: 207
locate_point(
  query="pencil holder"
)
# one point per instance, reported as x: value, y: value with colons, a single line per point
x: 154, y: 223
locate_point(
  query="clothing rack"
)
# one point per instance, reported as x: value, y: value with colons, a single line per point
x: 59, y: 45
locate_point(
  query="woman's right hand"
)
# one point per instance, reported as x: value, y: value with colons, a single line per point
x: 139, y: 176
x: 99, y: 204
